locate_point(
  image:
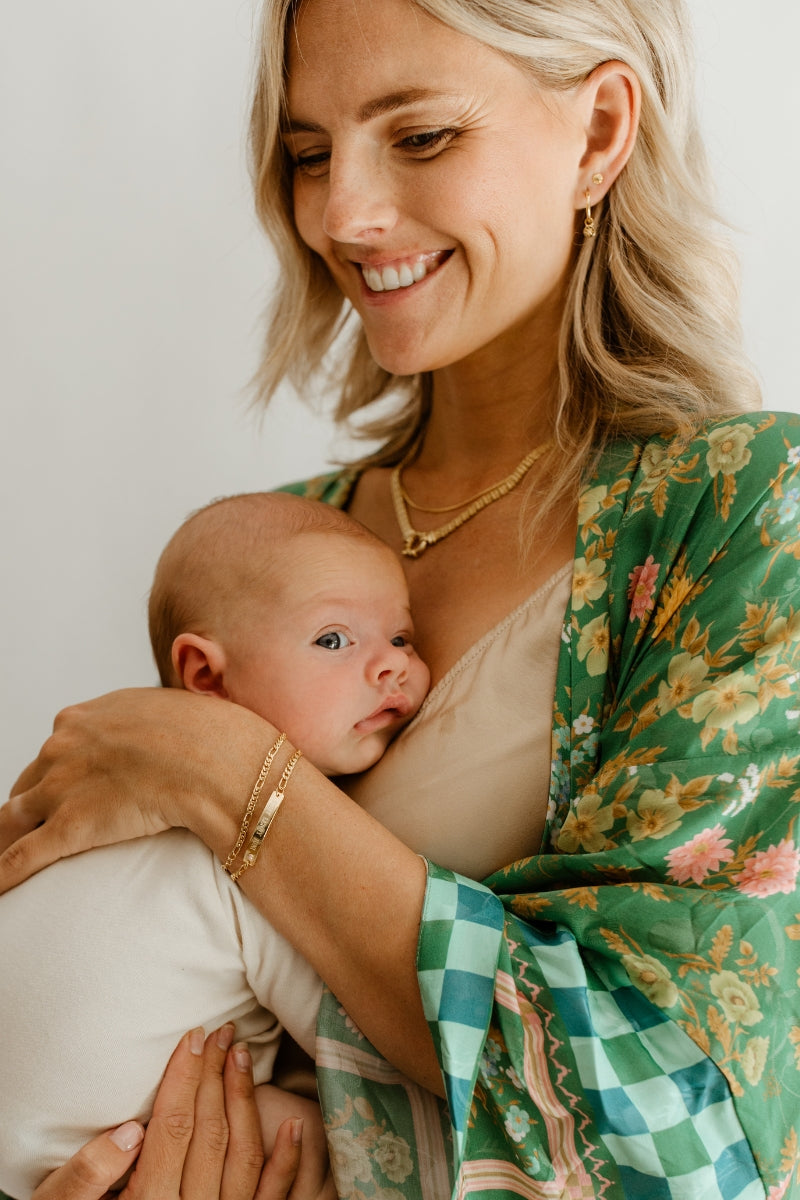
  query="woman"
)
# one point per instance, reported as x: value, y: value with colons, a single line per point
x: 512, y: 199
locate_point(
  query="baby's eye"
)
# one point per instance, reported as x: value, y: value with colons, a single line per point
x: 400, y: 640
x: 335, y: 640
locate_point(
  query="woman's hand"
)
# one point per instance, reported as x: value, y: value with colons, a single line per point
x: 140, y: 761
x: 125, y: 765
x: 203, y: 1141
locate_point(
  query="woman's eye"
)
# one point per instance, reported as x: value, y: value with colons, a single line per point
x: 315, y: 163
x: 335, y: 640
x: 430, y: 141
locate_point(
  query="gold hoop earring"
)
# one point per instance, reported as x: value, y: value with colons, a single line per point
x: 589, y: 229
x: 588, y: 221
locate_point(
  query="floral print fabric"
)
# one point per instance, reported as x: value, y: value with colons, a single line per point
x: 619, y: 1016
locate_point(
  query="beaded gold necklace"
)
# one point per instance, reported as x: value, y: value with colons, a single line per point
x: 416, y: 542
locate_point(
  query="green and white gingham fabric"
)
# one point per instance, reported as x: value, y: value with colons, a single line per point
x: 661, y: 1108
x: 457, y: 967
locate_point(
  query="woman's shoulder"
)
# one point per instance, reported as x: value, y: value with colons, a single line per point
x: 731, y: 442
x: 733, y: 480
x: 334, y: 487
x: 720, y: 442
x: 741, y: 455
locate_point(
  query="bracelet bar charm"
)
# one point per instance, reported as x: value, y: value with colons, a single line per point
x: 265, y: 820
x: 260, y: 831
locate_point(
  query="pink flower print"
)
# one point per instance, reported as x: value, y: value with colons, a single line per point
x: 642, y: 587
x: 770, y: 871
x: 699, y: 857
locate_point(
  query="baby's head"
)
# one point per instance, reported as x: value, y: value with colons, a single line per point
x: 291, y: 608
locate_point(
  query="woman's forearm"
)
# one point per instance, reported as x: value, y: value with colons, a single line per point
x: 348, y: 895
x: 337, y: 884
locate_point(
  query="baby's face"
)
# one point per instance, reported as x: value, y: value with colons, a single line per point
x: 330, y: 657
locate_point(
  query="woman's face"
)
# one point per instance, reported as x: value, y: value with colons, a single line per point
x: 438, y: 185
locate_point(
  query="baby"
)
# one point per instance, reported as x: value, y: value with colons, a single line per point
x: 295, y: 611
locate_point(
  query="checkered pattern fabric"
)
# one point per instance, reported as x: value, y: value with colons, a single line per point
x: 457, y: 967
x: 661, y: 1107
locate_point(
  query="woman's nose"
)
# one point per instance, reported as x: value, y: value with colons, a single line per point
x: 359, y: 206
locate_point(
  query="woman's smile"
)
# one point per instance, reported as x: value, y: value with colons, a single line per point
x: 402, y: 272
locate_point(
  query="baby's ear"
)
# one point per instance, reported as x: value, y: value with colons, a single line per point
x: 199, y: 664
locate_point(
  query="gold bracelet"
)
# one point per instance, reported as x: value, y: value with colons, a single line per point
x: 256, y: 792
x: 267, y: 817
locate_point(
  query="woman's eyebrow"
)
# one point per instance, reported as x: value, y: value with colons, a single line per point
x: 372, y: 108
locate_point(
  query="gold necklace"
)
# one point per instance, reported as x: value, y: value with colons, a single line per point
x: 416, y: 542
x: 446, y: 508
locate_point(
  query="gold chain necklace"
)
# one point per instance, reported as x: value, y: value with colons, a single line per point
x: 415, y: 542
x: 445, y: 508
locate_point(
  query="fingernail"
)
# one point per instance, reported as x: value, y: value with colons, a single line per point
x: 241, y: 1057
x: 197, y: 1040
x: 297, y: 1131
x: 225, y: 1036
x: 127, y: 1136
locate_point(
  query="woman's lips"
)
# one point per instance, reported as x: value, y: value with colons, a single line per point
x: 401, y: 272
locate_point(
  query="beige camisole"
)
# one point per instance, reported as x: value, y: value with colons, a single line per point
x: 466, y: 783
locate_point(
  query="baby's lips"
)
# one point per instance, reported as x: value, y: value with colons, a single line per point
x: 390, y: 709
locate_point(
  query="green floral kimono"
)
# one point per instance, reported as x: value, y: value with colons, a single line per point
x: 619, y: 1016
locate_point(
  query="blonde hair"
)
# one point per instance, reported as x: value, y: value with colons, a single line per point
x: 224, y: 551
x: 650, y: 339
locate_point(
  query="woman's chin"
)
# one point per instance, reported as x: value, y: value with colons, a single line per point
x: 403, y: 361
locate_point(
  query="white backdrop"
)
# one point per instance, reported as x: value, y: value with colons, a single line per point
x: 132, y: 278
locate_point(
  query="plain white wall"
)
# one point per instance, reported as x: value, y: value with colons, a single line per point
x: 132, y: 278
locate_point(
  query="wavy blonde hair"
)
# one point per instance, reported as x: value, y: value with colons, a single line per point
x: 650, y: 339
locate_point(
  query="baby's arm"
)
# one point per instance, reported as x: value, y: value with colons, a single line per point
x: 314, y: 1176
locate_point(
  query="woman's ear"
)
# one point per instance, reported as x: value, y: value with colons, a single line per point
x: 199, y: 664
x: 612, y: 96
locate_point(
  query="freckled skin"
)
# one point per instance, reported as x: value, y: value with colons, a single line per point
x: 482, y: 169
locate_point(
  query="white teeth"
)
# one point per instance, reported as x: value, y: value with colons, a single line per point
x: 389, y: 279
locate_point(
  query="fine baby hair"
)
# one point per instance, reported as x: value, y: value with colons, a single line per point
x: 222, y: 551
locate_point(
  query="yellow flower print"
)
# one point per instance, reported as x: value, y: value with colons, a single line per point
x: 652, y: 456
x: 794, y: 1038
x: 349, y: 1160
x: 651, y: 977
x: 588, y: 582
x: 655, y: 464
x: 730, y: 701
x: 590, y: 503
x: 737, y: 999
x: 728, y: 450
x: 593, y: 645
x: 393, y: 1157
x: 754, y: 1059
x: 686, y: 674
x: 585, y: 826
x: 656, y: 816
x: 782, y: 629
